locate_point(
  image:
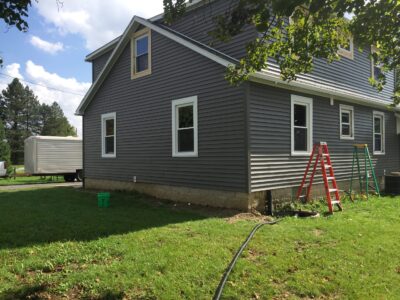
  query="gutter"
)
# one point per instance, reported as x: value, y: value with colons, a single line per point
x: 270, y: 78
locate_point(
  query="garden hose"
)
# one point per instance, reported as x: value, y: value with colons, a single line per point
x: 222, y: 283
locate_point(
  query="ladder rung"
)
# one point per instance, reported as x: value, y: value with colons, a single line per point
x: 325, y: 154
x: 328, y: 166
x: 335, y: 202
x: 330, y: 178
x: 332, y: 190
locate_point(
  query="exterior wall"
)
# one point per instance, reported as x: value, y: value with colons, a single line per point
x: 143, y: 120
x: 351, y: 75
x: 214, y: 198
x: 271, y: 163
x: 198, y: 23
x: 98, y: 64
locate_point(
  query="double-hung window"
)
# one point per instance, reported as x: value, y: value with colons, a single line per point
x: 346, y: 122
x: 348, y: 49
x: 184, y: 127
x: 302, y: 131
x: 108, y: 135
x: 141, y: 53
x: 379, y: 132
x: 376, y: 68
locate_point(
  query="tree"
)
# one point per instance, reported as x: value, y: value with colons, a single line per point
x: 315, y: 30
x: 13, y: 103
x: 54, y: 121
x: 23, y: 116
x: 5, y: 154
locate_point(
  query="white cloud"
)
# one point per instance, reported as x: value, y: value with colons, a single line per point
x: 44, y: 81
x: 97, y: 22
x: 13, y: 70
x: 46, y: 46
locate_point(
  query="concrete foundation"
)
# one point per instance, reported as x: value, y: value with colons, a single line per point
x: 215, y: 198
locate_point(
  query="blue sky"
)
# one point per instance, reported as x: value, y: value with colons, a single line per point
x: 51, y: 54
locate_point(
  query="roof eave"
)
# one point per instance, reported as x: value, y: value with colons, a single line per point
x: 266, y: 77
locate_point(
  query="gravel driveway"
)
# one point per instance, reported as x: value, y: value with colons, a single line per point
x: 40, y: 186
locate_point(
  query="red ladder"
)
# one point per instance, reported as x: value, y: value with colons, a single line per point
x: 321, y: 153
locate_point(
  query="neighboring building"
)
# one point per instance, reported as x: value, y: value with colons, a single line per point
x: 160, y: 117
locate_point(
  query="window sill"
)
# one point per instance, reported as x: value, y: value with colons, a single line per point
x: 141, y: 74
x: 108, y: 156
x: 347, y: 138
x: 346, y: 54
x: 379, y: 153
x: 301, y: 153
x: 189, y: 154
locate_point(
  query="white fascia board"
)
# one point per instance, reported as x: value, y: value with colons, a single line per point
x: 103, y: 49
x: 136, y: 21
x: 186, y: 43
x: 110, y: 62
x: 271, y: 78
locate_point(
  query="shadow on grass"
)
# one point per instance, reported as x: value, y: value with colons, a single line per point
x: 29, y: 217
x: 40, y: 292
x: 35, y: 292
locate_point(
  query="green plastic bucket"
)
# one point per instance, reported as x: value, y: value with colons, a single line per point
x: 103, y: 200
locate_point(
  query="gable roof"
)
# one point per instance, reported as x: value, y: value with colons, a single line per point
x: 190, y: 5
x: 202, y: 49
x: 271, y: 76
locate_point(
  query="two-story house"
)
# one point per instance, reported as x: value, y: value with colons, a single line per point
x: 160, y: 118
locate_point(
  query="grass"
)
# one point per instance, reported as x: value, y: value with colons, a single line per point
x: 57, y: 243
x: 30, y: 180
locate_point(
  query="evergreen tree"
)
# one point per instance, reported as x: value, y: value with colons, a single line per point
x: 23, y: 116
x: 5, y: 153
x: 13, y: 103
x: 54, y: 121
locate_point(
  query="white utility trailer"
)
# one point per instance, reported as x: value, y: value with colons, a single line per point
x: 53, y: 155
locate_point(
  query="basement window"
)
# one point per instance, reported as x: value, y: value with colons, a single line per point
x: 141, y: 53
x: 184, y: 127
x: 302, y: 131
x: 379, y: 133
x: 108, y: 135
x: 346, y: 122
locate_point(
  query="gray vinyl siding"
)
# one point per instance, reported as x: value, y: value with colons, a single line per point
x: 352, y: 75
x: 143, y: 118
x: 98, y: 64
x: 198, y: 23
x: 271, y: 163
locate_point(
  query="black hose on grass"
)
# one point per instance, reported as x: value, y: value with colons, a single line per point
x: 218, y: 292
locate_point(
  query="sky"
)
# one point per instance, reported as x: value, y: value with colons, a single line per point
x: 50, y: 56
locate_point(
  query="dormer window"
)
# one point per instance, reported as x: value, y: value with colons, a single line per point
x: 347, y: 50
x: 141, y: 53
x: 376, y: 68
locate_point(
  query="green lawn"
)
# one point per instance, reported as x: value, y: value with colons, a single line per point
x: 57, y: 243
x: 30, y: 180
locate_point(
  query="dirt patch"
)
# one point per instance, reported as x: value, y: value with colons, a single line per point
x: 253, y: 216
x: 318, y: 232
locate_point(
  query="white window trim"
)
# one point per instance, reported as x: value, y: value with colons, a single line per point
x: 382, y: 115
x: 175, y: 105
x: 374, y: 49
x: 104, y: 118
x: 308, y: 102
x: 351, y: 109
x: 347, y: 53
x: 137, y: 36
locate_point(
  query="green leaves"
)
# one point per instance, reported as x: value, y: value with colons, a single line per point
x: 15, y: 12
x: 294, y: 32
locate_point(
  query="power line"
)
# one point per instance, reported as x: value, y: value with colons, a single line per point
x: 42, y: 85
